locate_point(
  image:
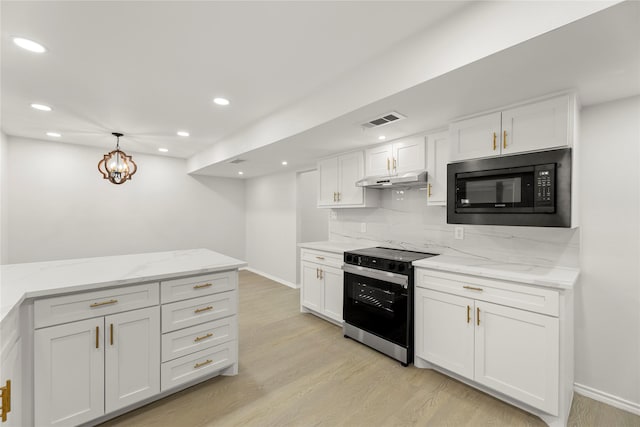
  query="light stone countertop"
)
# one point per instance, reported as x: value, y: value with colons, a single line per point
x: 334, y: 247
x: 551, y: 277
x: 40, y: 279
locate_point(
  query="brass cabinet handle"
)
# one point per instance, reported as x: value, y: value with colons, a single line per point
x: 206, y: 362
x: 472, y: 288
x: 205, y: 285
x: 468, y: 314
x: 317, y: 273
x: 478, y: 315
x: 204, y: 337
x: 98, y: 304
x: 6, y: 400
x: 338, y: 196
x: 200, y: 310
x: 388, y: 164
x: 394, y: 163
x: 494, y: 141
x: 504, y: 139
x: 111, y: 334
x: 97, y: 336
x: 320, y: 257
x: 428, y: 190
x: 321, y: 273
x: 334, y: 196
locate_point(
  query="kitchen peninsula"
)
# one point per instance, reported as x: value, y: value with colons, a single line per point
x: 97, y: 337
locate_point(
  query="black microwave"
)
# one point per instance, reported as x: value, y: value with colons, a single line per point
x: 532, y: 189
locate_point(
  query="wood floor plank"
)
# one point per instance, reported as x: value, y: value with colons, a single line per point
x: 299, y: 370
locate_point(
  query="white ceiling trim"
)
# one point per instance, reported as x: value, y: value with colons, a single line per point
x: 476, y: 32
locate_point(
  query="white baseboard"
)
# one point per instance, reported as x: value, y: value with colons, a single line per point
x: 271, y: 277
x: 609, y: 399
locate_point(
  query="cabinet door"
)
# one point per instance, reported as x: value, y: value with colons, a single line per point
x: 312, y: 287
x: 409, y: 155
x: 378, y: 161
x: 333, y: 292
x: 536, y: 126
x: 476, y: 137
x: 328, y: 182
x: 517, y: 354
x: 437, y: 159
x: 350, y: 170
x: 132, y: 357
x: 69, y: 373
x: 444, y: 330
x: 11, y: 369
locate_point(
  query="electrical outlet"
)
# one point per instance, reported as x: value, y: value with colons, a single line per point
x: 363, y: 227
x: 458, y: 233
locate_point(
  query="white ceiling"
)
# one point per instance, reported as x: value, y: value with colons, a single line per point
x: 148, y: 69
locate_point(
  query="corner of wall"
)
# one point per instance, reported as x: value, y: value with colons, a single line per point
x: 4, y: 238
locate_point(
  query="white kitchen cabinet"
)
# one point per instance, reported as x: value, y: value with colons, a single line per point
x: 69, y: 373
x: 337, y: 182
x: 499, y: 336
x: 87, y: 368
x: 404, y: 155
x: 11, y: 370
x: 322, y: 284
x: 437, y: 159
x: 535, y: 126
x: 132, y: 357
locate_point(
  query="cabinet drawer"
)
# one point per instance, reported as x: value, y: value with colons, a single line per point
x: 182, y: 314
x: 511, y: 294
x: 325, y: 258
x: 69, y: 308
x: 189, y: 340
x: 197, y: 286
x: 196, y: 365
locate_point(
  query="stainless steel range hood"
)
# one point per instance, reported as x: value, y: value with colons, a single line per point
x: 408, y: 179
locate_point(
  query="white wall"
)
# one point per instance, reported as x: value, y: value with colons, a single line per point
x: 61, y: 207
x: 607, y: 343
x: 4, y: 174
x: 271, y: 226
x: 313, y: 223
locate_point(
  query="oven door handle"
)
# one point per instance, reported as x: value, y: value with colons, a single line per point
x: 386, y: 276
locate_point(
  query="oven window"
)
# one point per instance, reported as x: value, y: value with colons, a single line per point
x: 376, y: 306
x: 501, y: 191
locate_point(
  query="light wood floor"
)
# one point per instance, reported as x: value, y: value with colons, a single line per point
x: 298, y: 370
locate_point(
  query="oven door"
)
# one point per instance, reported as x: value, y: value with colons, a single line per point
x: 377, y: 302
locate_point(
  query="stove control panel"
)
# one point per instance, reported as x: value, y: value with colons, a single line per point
x: 378, y: 263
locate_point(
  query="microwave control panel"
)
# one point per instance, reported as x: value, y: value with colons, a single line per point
x: 545, y: 185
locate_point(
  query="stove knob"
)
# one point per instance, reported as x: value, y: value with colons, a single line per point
x: 349, y: 258
x: 401, y: 267
x: 391, y: 266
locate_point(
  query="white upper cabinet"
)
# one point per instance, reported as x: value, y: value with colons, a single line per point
x: 437, y: 159
x: 536, y: 126
x: 337, y: 182
x: 404, y: 155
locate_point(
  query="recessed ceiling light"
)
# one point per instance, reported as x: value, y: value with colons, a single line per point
x: 29, y: 45
x: 240, y: 173
x: 382, y: 137
x: 54, y: 134
x: 163, y: 150
x: 41, y: 107
x: 284, y: 163
x: 182, y: 133
x: 221, y: 101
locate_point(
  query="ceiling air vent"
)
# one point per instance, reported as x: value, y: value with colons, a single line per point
x: 236, y: 161
x: 384, y: 119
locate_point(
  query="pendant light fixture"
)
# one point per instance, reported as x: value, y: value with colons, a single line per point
x: 116, y: 166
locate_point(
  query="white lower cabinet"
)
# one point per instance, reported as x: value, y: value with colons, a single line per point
x: 87, y: 368
x: 461, y: 327
x: 322, y: 284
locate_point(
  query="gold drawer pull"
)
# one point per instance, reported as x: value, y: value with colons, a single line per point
x: 204, y: 337
x: 428, y: 190
x: 494, y: 141
x: 200, y: 310
x: 205, y: 285
x: 468, y: 314
x: 98, y: 304
x: 320, y: 257
x: 472, y: 288
x: 97, y: 336
x: 5, y: 391
x: 478, y: 315
x: 206, y: 362
x: 504, y: 139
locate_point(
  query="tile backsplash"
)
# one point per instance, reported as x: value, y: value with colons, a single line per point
x: 404, y: 220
